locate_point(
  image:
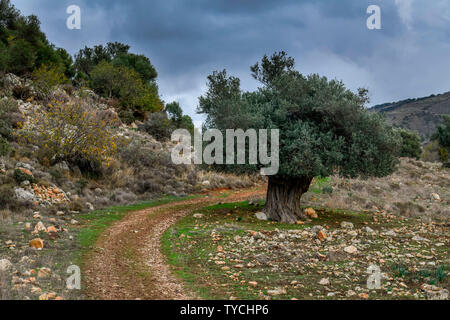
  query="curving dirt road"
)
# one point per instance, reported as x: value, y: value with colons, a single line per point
x: 127, y: 263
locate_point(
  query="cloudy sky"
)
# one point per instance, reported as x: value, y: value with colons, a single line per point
x: 187, y: 39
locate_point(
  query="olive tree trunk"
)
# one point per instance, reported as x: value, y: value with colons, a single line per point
x: 283, y: 199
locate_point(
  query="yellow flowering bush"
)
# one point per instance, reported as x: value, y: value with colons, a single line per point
x: 70, y: 132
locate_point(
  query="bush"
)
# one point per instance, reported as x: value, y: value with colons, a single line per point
x: 410, y: 146
x: 4, y: 146
x: 443, y: 154
x: 158, y: 126
x: 127, y: 86
x: 73, y: 133
x: 22, y: 92
x: 47, y: 77
x: 22, y: 176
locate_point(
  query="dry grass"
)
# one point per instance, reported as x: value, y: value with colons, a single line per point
x: 406, y: 192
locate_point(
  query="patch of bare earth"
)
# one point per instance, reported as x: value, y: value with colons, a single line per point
x: 127, y: 263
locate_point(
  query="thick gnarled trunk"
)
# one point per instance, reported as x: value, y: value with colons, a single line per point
x: 283, y: 199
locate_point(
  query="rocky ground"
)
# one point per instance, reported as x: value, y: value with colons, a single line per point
x: 241, y: 257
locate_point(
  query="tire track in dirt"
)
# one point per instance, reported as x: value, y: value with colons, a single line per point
x: 127, y: 263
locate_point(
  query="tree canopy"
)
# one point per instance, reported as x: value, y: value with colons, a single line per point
x: 324, y: 127
x: 24, y: 47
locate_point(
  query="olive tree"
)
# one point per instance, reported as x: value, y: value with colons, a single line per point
x: 324, y: 128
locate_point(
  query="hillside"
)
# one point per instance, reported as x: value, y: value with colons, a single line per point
x: 420, y: 114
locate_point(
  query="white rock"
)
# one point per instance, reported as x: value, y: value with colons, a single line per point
x: 90, y: 206
x: 390, y: 233
x: 39, y: 227
x: 261, y: 216
x: 5, y: 265
x: 276, y: 292
x: 435, y: 196
x: 368, y: 230
x: 24, y: 195
x: 198, y: 215
x: 346, y: 225
x: 206, y: 183
x: 350, y: 249
x: 418, y: 238
x: 324, y: 281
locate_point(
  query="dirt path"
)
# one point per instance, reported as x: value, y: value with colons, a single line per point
x: 127, y: 263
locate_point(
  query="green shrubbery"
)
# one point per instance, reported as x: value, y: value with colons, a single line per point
x: 442, y: 136
x: 113, y: 72
x: 23, y: 46
x: 410, y: 146
x: 161, y: 124
x: 46, y: 77
x: 9, y: 118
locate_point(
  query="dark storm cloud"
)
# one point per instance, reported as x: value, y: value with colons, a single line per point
x: 186, y: 40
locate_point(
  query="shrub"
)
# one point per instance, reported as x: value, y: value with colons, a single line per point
x: 22, y: 92
x: 410, y: 146
x: 22, y: 176
x: 158, y: 126
x: 127, y: 86
x: 46, y: 77
x: 443, y: 154
x: 70, y: 132
x: 4, y: 146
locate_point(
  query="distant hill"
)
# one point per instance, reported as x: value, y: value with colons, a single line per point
x: 420, y: 114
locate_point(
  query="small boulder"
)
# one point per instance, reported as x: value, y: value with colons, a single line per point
x: 37, y: 243
x: 5, y: 265
x: 346, y: 225
x: 351, y: 249
x: 311, y: 213
x: 44, y: 273
x: 435, y: 196
x: 261, y: 216
x: 39, y: 227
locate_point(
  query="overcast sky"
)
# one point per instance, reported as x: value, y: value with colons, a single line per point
x: 187, y: 39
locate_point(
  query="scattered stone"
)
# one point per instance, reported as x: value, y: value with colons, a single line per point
x: 206, y: 183
x: 322, y: 235
x: 276, y: 292
x: 261, y: 216
x: 39, y: 227
x: 368, y: 230
x: 52, y: 229
x: 324, y: 281
x: 89, y: 206
x: 253, y: 284
x: 418, y: 239
x: 5, y: 265
x: 311, y: 213
x: 346, y: 225
x: 350, y: 249
x: 44, y: 273
x: 391, y: 233
x: 198, y: 215
x: 24, y: 195
x: 364, y: 295
x: 37, y: 243
x: 435, y: 196
x: 435, y: 293
x: 73, y: 222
